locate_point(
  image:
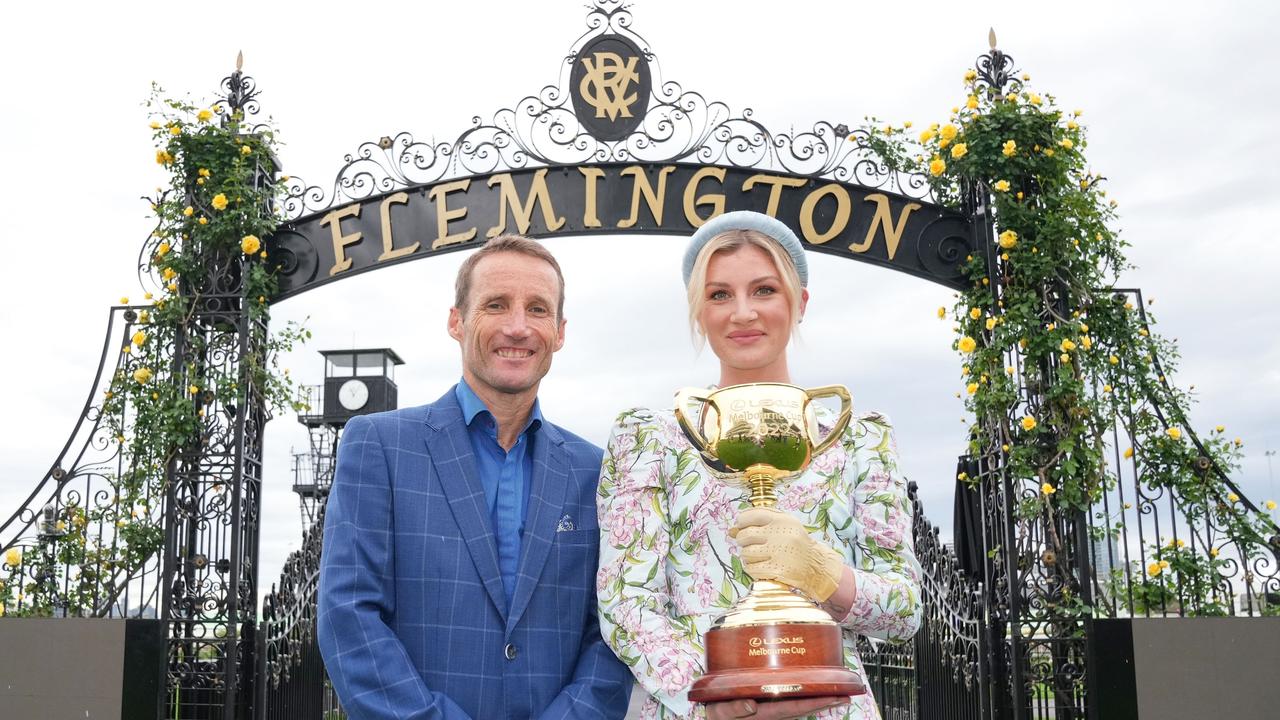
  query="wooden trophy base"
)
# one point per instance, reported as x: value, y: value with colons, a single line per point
x: 775, y: 661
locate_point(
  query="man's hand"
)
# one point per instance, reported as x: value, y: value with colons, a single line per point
x: 775, y: 546
x: 771, y: 709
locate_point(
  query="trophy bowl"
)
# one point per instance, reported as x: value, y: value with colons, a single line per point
x: 774, y: 642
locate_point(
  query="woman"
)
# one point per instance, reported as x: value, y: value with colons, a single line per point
x: 677, y: 545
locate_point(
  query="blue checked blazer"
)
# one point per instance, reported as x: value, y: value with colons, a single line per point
x: 412, y: 619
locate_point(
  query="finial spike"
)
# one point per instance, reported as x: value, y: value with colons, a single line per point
x: 991, y: 37
x: 240, y: 57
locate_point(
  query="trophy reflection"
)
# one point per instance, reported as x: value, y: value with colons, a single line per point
x: 775, y: 642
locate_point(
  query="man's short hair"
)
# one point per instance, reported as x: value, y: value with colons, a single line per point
x: 505, y: 243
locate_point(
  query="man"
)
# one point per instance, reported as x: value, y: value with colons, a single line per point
x: 460, y: 548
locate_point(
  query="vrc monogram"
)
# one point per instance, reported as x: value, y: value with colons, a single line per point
x: 605, y: 84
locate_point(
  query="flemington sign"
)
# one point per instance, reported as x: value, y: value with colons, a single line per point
x: 609, y: 149
x: 674, y: 199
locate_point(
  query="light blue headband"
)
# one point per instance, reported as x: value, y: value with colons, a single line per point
x: 747, y: 220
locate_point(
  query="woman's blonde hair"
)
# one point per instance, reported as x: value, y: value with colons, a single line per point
x: 732, y: 241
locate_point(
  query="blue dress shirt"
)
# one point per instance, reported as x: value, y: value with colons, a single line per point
x: 505, y: 475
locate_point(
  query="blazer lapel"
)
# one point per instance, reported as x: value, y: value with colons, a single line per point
x: 550, y: 483
x: 450, y: 448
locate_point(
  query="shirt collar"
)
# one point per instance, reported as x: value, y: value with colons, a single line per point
x: 472, y: 405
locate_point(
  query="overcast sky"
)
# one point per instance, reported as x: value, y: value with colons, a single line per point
x: 1180, y: 101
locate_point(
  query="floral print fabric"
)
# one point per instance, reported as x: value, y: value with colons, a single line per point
x: 668, y: 567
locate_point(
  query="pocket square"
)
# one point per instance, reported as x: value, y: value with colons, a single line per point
x: 565, y: 524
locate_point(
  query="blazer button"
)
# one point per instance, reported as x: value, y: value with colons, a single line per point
x: 510, y: 651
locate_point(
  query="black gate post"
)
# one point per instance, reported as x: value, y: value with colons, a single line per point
x: 213, y: 485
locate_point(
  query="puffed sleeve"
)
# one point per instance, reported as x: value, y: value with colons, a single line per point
x: 887, y: 574
x: 664, y: 652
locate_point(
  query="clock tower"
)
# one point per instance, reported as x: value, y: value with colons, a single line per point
x: 356, y: 382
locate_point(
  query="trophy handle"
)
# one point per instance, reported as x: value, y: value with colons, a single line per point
x: 683, y: 397
x: 846, y: 413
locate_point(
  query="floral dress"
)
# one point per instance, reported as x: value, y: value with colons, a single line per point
x: 668, y: 567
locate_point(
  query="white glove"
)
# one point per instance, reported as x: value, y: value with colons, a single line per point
x: 776, y: 546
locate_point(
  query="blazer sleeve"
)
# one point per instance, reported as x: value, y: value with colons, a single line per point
x: 601, y: 684
x: 369, y: 666
x: 886, y: 572
x: 665, y: 653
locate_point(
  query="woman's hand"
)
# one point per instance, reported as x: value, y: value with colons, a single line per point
x: 775, y: 546
x: 771, y: 709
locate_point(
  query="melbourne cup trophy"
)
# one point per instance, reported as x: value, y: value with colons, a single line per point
x: 774, y: 642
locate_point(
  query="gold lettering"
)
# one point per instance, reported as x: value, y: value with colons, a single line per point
x: 340, y: 242
x: 775, y: 184
x: 884, y: 220
x: 523, y: 211
x: 843, y: 209
x: 444, y: 215
x: 388, y: 251
x: 589, y: 217
x: 691, y: 203
x: 604, y: 86
x: 654, y: 200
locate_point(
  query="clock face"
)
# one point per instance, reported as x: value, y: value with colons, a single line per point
x: 353, y: 394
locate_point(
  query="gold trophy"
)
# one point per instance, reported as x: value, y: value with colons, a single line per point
x: 775, y: 642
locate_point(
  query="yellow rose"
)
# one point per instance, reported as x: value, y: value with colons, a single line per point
x: 1009, y: 369
x: 1065, y: 358
x: 1220, y: 428
x: 139, y: 338
x: 1232, y: 497
x: 1086, y: 342
x: 975, y: 313
x: 991, y: 323
x: 203, y: 221
x: 219, y: 202
x: 967, y: 344
x: 13, y: 557
x: 1113, y: 360
x: 175, y: 130
x: 970, y: 75
x: 937, y: 167
x: 1270, y: 504
x: 1034, y: 99
x: 1072, y: 125
x: 155, y: 125
x: 1028, y: 423
x: 162, y: 249
x: 959, y: 150
x: 144, y: 316
x: 168, y: 274
x: 204, y: 116
x: 1128, y: 453
x: 942, y: 313
x: 971, y: 388
x: 142, y: 375
x: 1048, y: 489
x: 928, y: 135
x: 1174, y: 433
x: 193, y: 389
x: 949, y: 132
x: 1067, y: 345
x: 1010, y: 147
x: 188, y: 211
x: 1066, y: 143
x: 1213, y: 552
x: 1002, y: 186
x: 245, y: 149
x: 204, y: 172
x: 905, y: 126
x: 1106, y: 388
x: 163, y: 157
x: 971, y: 102
x: 1008, y: 239
x: 249, y: 244
x: 1154, y: 569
